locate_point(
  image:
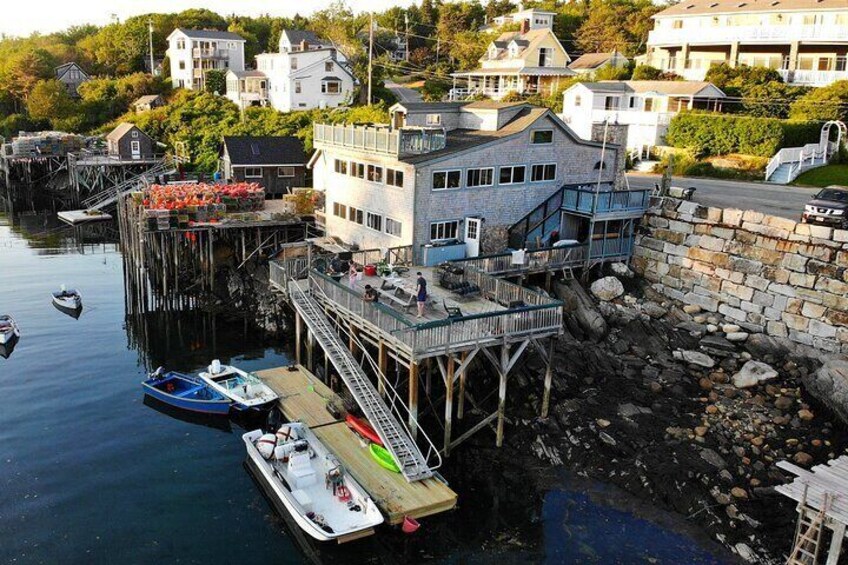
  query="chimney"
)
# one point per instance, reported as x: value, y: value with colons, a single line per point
x: 525, y: 25
x: 304, y: 45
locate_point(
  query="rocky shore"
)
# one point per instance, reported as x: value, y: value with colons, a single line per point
x: 682, y: 409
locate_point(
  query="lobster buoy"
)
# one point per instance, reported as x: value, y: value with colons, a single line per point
x: 286, y: 433
x: 343, y: 493
x: 410, y: 525
x: 266, y: 444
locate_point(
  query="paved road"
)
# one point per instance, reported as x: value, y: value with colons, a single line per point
x: 403, y: 93
x: 773, y: 199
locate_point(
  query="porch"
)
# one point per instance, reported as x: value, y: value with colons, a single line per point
x: 496, y: 84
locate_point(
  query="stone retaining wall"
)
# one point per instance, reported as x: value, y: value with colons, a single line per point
x: 765, y: 273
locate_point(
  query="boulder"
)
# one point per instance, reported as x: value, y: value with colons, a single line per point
x: 581, y: 311
x: 695, y: 358
x: 654, y: 310
x: 830, y: 386
x: 736, y: 337
x: 753, y: 373
x: 607, y: 288
x: 621, y: 270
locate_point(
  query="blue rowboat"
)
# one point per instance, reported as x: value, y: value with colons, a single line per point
x: 186, y: 392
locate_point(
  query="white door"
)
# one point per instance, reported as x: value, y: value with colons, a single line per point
x: 135, y: 149
x: 472, y: 236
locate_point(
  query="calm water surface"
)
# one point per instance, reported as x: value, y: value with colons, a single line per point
x: 89, y: 473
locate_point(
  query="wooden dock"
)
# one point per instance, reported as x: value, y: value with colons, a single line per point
x: 304, y: 397
x: 80, y: 216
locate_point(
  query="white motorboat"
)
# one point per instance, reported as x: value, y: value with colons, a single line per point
x: 9, y: 331
x: 243, y: 388
x: 67, y: 299
x: 299, y: 472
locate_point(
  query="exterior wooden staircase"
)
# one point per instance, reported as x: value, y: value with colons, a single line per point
x: 808, y: 534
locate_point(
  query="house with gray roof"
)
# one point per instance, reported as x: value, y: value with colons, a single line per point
x: 277, y: 163
x: 449, y: 178
x: 72, y: 76
x: 592, y: 62
x: 194, y: 52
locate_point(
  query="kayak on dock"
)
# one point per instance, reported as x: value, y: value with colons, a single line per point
x: 245, y: 389
x: 68, y: 301
x: 363, y: 428
x: 382, y: 456
x: 9, y: 331
x: 186, y: 392
x: 314, y: 488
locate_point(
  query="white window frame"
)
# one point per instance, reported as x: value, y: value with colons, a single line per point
x: 340, y: 210
x: 181, y: 44
x: 543, y: 167
x: 370, y: 171
x: 354, y: 166
x: 480, y: 170
x: 325, y: 87
x: 290, y: 172
x: 392, y: 177
x: 441, y: 230
x: 433, y: 119
x: 447, y: 173
x: 533, y: 136
x: 398, y: 232
x: 512, y: 175
x: 355, y: 215
x: 293, y: 63
x: 328, y: 66
x: 373, y: 215
x: 340, y: 166
x: 248, y: 170
x: 298, y: 87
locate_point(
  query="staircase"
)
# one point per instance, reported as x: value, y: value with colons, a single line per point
x: 540, y: 222
x: 808, y: 535
x: 109, y: 196
x: 788, y: 163
x: 782, y: 174
x: 395, y: 438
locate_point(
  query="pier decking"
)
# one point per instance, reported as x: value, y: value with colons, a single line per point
x: 304, y: 397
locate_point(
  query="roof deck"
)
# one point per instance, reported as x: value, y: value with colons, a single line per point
x: 381, y: 138
x: 495, y: 310
x: 588, y: 201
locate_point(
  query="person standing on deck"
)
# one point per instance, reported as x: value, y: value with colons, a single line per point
x: 421, y: 292
x: 352, y: 274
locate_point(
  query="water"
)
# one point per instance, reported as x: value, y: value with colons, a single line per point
x: 90, y: 473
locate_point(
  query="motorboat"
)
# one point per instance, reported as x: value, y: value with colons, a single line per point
x: 9, y: 331
x: 186, y: 392
x: 68, y: 301
x: 299, y: 472
x: 245, y: 389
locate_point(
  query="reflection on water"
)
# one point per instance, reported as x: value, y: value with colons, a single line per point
x: 92, y: 472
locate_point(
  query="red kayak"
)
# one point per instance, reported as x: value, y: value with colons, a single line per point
x: 363, y: 428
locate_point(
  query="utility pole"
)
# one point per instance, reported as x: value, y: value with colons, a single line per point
x: 406, y: 22
x: 438, y: 45
x: 150, y: 40
x: 370, y: 55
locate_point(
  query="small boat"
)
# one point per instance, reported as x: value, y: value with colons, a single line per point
x: 9, y: 331
x: 299, y: 472
x: 186, y: 392
x: 245, y: 389
x: 67, y: 300
x: 382, y: 456
x: 363, y: 428
x: 6, y: 349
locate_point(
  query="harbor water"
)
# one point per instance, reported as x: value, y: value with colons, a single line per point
x: 91, y: 473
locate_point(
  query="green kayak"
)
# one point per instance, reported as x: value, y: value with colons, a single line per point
x: 383, y: 457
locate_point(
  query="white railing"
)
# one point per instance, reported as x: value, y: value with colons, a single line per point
x: 381, y: 139
x: 208, y: 53
x: 812, y: 78
x: 708, y: 34
x: 800, y: 159
x: 633, y: 117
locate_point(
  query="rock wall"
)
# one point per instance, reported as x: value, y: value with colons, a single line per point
x: 765, y: 273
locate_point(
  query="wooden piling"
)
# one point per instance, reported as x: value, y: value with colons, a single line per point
x: 383, y: 364
x: 298, y: 336
x: 502, y: 370
x: 460, y: 407
x: 413, y: 399
x: 449, y: 403
x: 546, y: 397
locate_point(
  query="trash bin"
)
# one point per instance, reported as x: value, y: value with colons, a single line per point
x: 370, y: 270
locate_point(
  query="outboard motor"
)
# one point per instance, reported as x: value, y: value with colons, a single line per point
x: 215, y: 367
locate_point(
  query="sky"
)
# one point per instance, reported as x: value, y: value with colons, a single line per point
x: 47, y: 16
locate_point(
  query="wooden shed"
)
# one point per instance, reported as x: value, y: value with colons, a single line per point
x: 128, y: 143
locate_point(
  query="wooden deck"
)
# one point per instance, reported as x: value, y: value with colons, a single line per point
x: 81, y: 216
x: 304, y: 397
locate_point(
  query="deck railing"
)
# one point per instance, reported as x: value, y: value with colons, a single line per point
x: 282, y: 271
x: 587, y: 201
x: 381, y: 138
x: 550, y: 258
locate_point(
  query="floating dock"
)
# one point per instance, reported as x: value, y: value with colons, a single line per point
x: 304, y: 397
x: 74, y: 217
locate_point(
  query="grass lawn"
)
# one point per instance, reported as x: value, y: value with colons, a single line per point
x: 824, y: 176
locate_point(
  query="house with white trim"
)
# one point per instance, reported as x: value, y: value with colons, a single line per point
x: 528, y: 61
x: 308, y: 72
x: 588, y: 63
x: 194, y: 52
x: 646, y: 107
x: 449, y: 178
x: 72, y: 76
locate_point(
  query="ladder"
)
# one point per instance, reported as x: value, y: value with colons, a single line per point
x: 808, y: 533
x: 110, y: 195
x: 406, y: 454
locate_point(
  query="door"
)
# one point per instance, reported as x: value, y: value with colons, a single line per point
x: 135, y: 149
x: 472, y: 236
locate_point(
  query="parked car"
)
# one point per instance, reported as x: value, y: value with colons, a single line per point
x: 829, y: 207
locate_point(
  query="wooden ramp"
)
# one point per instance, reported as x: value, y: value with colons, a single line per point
x: 80, y: 216
x: 304, y: 397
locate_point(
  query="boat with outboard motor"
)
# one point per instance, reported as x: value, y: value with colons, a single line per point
x: 245, y: 389
x: 9, y: 331
x: 302, y: 474
x: 186, y: 392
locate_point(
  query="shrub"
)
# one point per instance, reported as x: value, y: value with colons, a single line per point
x: 825, y: 103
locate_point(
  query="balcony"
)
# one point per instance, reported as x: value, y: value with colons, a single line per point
x: 210, y: 53
x: 380, y: 139
x: 711, y: 35
x: 632, y: 117
x: 584, y: 200
x: 812, y: 78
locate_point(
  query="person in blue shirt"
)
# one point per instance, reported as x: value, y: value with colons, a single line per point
x: 421, y: 292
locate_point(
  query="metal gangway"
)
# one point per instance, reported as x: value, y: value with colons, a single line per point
x: 110, y: 195
x: 396, y: 437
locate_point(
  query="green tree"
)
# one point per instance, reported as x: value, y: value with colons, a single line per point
x: 825, y: 103
x: 25, y: 70
x: 646, y: 72
x: 216, y: 81
x: 770, y: 99
x: 49, y: 100
x: 621, y: 25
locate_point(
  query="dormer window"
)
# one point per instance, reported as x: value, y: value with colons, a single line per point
x: 181, y: 44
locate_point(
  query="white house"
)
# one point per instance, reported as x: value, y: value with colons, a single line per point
x: 592, y: 62
x: 536, y: 19
x: 644, y: 106
x: 193, y: 52
x: 308, y: 72
x: 806, y: 41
